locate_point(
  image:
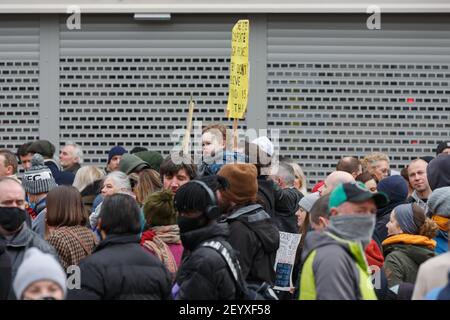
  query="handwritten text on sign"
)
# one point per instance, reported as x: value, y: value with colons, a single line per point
x: 239, y: 70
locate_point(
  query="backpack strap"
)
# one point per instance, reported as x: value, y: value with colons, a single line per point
x: 231, y: 261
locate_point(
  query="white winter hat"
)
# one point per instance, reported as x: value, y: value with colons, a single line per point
x: 265, y: 145
x: 37, y: 266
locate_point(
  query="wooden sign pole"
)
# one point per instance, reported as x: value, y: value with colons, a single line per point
x: 187, y: 133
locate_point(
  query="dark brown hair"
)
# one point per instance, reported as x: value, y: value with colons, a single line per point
x: 348, y: 164
x: 65, y: 207
x: 170, y: 168
x: 427, y: 227
x: 364, y: 177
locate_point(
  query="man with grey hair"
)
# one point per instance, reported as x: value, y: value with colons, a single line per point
x: 71, y: 157
x: 287, y: 198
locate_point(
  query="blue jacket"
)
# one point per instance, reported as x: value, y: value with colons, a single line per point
x: 209, y: 168
x: 441, y: 242
x: 61, y: 177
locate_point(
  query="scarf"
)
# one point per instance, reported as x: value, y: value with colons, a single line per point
x: 442, y: 222
x: 412, y: 239
x: 157, y: 239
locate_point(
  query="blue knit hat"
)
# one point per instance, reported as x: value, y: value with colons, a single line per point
x: 116, y: 151
x: 395, y: 187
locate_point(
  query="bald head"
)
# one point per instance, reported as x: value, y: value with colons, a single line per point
x: 335, y: 178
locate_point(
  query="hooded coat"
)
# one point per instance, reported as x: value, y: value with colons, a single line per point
x: 404, y: 253
x: 256, y: 238
x: 203, y: 273
x: 438, y: 172
x: 397, y: 190
x: 336, y: 276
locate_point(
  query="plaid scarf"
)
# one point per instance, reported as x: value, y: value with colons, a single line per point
x: 157, y: 240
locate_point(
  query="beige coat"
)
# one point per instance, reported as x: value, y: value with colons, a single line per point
x: 432, y: 274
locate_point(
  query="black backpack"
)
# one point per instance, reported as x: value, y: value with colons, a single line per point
x: 246, y: 291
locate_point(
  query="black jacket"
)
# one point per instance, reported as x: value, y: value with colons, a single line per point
x: 120, y: 269
x: 203, y: 273
x: 266, y: 194
x: 280, y: 204
x: 89, y: 193
x: 286, y: 205
x: 256, y: 238
x: 5, y: 271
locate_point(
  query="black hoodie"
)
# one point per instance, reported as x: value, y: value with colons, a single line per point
x: 203, y: 273
x: 438, y: 172
x: 256, y: 238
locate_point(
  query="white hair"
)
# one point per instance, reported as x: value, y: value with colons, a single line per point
x: 121, y: 181
x: 86, y: 176
x: 77, y: 151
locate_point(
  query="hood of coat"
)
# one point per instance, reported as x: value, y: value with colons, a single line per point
x: 261, y: 223
x: 418, y: 248
x: 315, y: 240
x: 194, y: 238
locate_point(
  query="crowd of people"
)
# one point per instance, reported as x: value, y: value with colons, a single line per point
x: 149, y: 227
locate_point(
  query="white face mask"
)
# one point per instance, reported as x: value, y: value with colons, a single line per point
x: 353, y: 227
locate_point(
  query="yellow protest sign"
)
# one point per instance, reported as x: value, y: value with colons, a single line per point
x: 239, y: 70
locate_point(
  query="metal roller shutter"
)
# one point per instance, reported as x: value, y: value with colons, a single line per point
x: 127, y: 82
x: 336, y: 88
x: 19, y: 80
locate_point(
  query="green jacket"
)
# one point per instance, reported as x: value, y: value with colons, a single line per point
x: 402, y: 261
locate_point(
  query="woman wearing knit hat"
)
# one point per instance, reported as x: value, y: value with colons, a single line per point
x: 409, y: 243
x: 439, y: 205
x: 163, y: 236
x: 40, y: 277
x: 434, y: 272
x: 252, y: 232
x: 37, y: 182
x: 203, y: 273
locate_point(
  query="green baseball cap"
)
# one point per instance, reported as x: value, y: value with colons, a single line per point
x: 356, y: 192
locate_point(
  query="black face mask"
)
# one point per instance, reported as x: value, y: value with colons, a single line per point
x: 11, y: 218
x: 187, y: 224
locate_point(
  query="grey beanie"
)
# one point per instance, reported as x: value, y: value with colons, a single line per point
x: 39, y: 178
x: 37, y: 266
x: 439, y: 202
x: 308, y: 201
